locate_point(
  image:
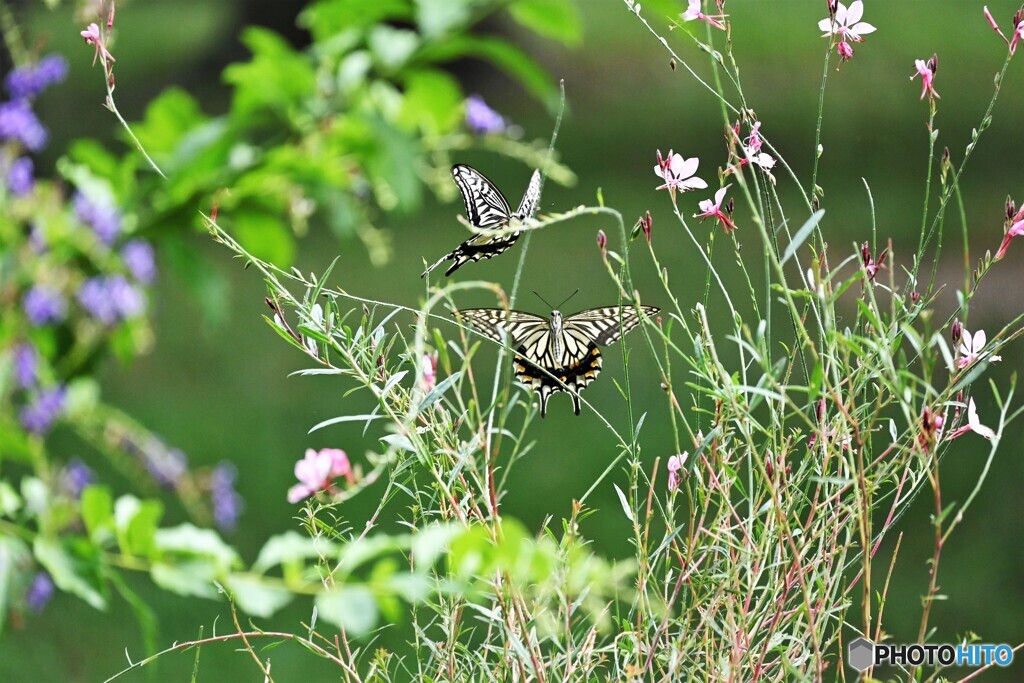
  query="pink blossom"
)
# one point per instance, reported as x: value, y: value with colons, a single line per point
x: 871, y: 267
x: 971, y: 347
x: 1018, y: 28
x: 428, y: 365
x: 93, y: 37
x: 844, y: 50
x: 317, y: 471
x: 694, y: 12
x: 675, y: 464
x: 847, y: 24
x: 973, y: 424
x: 677, y: 173
x: 926, y: 70
x: 1016, y: 230
x: 713, y: 209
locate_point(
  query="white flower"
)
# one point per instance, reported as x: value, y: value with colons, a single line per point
x: 975, y: 424
x: 971, y: 347
x: 847, y: 23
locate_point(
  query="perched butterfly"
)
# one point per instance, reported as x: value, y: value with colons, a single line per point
x: 487, y: 209
x: 558, y: 354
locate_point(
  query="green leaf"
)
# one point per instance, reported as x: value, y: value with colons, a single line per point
x: 169, y: 116
x: 136, y: 521
x: 328, y: 18
x: 275, y: 84
x: 14, y: 443
x: 349, y: 607
x: 503, y: 55
x: 431, y: 543
x: 289, y: 548
x: 392, y: 47
x: 438, y: 391
x: 191, y: 541
x: 557, y: 19
x: 194, y: 578
x: 802, y: 234
x: 625, y: 503
x: 97, y: 511
x: 13, y: 553
x: 263, y: 234
x: 432, y: 103
x: 10, y: 501
x: 437, y: 18
x: 74, y: 565
x: 256, y: 597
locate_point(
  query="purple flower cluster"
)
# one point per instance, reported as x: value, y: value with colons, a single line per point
x: 44, y: 305
x: 39, y: 592
x: 166, y: 465
x: 26, y: 365
x: 103, y: 218
x: 18, y: 122
x: 227, y: 504
x: 111, y: 299
x: 481, y: 118
x: 75, y: 476
x: 20, y: 178
x: 139, y: 259
x: 39, y: 415
x: 30, y: 80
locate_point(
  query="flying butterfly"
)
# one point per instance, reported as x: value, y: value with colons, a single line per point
x: 487, y: 209
x: 557, y: 354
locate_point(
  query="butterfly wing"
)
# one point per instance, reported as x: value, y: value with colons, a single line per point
x: 602, y: 325
x: 496, y: 323
x: 528, y: 206
x: 486, y: 208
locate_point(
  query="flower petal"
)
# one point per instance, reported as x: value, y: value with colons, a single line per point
x: 979, y: 341
x: 975, y: 423
x: 855, y: 12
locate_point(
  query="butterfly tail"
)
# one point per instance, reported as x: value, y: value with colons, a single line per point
x: 575, y: 402
x: 545, y: 394
x: 439, y: 262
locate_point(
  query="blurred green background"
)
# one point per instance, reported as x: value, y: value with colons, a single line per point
x: 223, y: 392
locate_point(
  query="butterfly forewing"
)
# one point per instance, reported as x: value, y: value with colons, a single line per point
x: 487, y: 209
x: 605, y: 325
x: 531, y: 198
x: 486, y: 206
x: 568, y: 365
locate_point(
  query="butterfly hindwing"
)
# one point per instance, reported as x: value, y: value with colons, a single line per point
x: 548, y: 362
x: 487, y: 209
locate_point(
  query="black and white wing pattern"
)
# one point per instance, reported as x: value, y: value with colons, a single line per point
x: 557, y: 354
x: 487, y: 209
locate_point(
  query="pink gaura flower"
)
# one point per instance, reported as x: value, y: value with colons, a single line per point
x: 973, y: 425
x: 971, y: 347
x: 1016, y: 229
x: 926, y: 70
x: 693, y: 12
x: 1018, y: 28
x: 752, y: 154
x: 871, y: 267
x: 93, y: 36
x: 844, y: 50
x: 428, y: 365
x: 677, y: 173
x: 317, y: 471
x: 714, y: 209
x: 675, y: 464
x: 847, y: 24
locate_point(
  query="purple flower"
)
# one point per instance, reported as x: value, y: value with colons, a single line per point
x: 17, y: 122
x: 227, y: 504
x: 30, y: 80
x: 139, y: 259
x: 20, y: 179
x: 111, y: 299
x: 482, y: 119
x: 103, y: 218
x: 43, y: 305
x: 39, y: 415
x: 26, y: 365
x: 39, y: 592
x: 75, y: 476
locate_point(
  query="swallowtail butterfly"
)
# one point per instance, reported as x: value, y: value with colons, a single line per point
x: 487, y: 209
x: 557, y: 354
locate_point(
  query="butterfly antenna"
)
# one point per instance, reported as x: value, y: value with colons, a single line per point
x: 568, y: 297
x: 544, y: 300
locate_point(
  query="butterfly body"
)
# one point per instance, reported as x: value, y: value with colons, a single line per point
x: 558, y: 353
x: 487, y: 209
